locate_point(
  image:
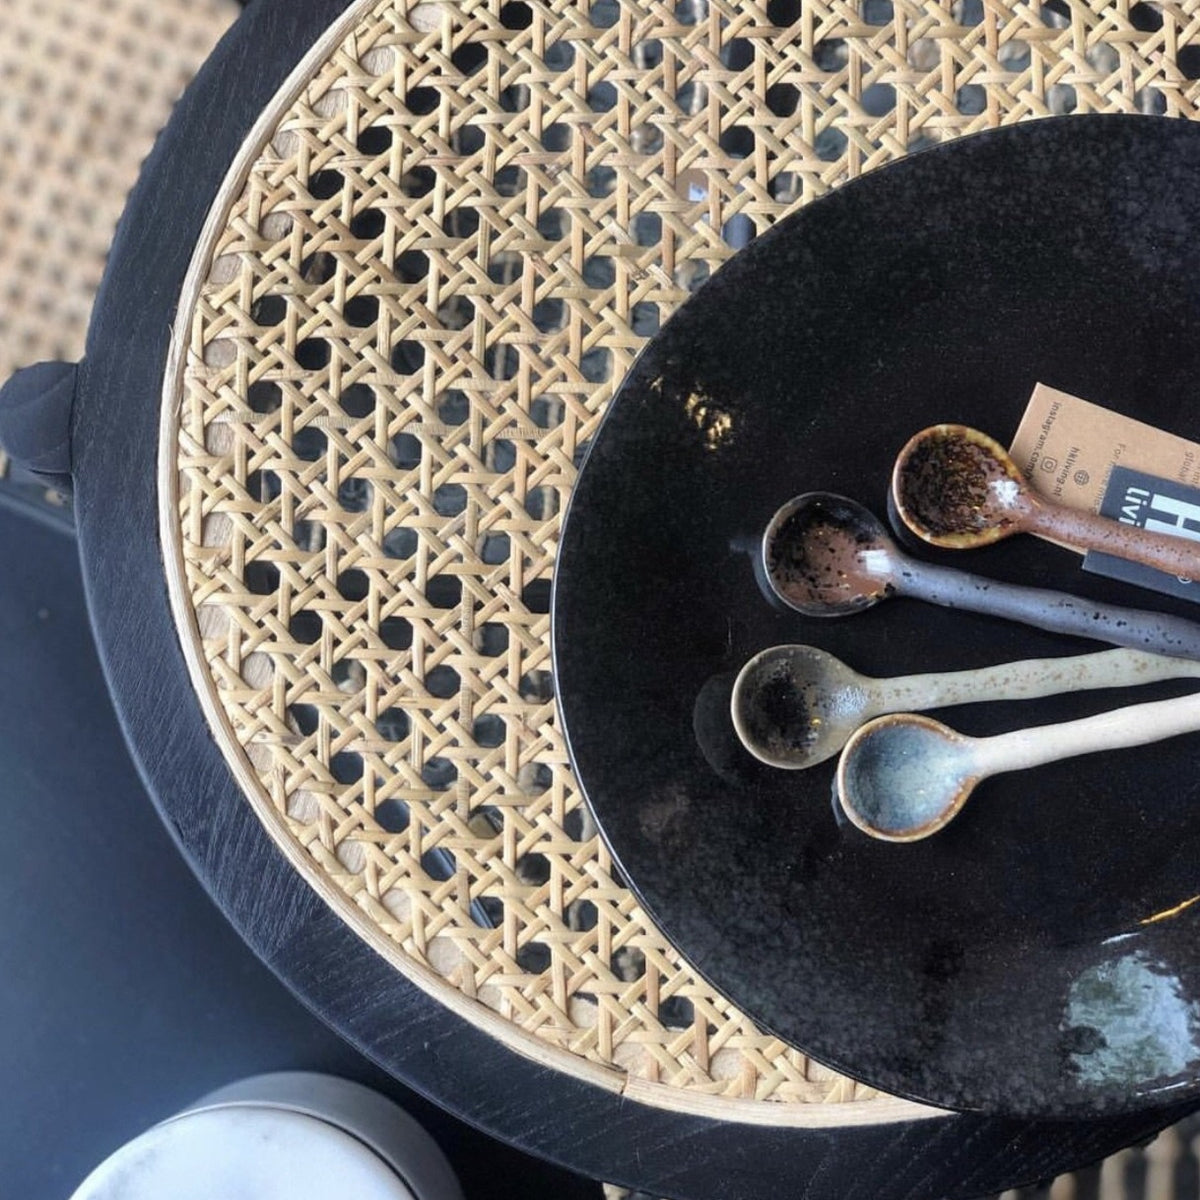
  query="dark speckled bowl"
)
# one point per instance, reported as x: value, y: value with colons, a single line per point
x: 1024, y: 960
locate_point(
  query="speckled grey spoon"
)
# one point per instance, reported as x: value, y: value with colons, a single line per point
x: 905, y: 776
x: 827, y: 556
x: 796, y: 706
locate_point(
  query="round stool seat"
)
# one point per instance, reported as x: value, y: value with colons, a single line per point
x: 407, y: 274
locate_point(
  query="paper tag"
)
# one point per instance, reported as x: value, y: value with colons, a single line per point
x: 1162, y: 505
x: 1067, y: 449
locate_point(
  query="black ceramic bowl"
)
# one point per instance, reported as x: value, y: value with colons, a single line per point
x: 1019, y: 961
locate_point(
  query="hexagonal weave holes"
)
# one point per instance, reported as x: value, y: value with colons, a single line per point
x: 418, y: 297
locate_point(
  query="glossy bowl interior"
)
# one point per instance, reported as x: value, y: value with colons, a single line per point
x: 1040, y: 955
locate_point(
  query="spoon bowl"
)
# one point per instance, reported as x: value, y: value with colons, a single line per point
x: 827, y: 555
x: 902, y: 777
x: 955, y: 487
x: 795, y: 706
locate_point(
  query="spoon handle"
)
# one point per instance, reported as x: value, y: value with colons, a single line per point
x: 1029, y: 679
x: 1056, y: 612
x: 1090, y: 531
x: 1135, y: 725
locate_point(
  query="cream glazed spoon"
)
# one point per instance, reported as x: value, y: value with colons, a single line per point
x: 796, y: 706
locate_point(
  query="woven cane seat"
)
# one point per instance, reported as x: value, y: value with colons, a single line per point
x: 84, y: 96
x: 81, y: 101
x: 417, y: 293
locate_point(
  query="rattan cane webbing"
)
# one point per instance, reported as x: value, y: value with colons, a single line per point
x: 416, y: 301
x: 84, y: 89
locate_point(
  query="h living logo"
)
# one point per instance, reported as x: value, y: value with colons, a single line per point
x: 1159, y: 513
x: 1160, y: 505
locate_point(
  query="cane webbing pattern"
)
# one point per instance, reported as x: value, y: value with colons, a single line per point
x: 416, y: 302
x: 84, y: 89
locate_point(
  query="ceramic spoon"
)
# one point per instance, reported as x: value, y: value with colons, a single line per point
x: 796, y: 706
x: 828, y: 556
x: 903, y: 777
x: 955, y: 487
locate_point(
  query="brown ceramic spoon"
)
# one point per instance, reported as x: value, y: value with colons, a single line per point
x: 958, y: 488
x: 827, y: 556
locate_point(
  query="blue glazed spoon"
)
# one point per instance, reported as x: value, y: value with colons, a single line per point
x: 903, y: 777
